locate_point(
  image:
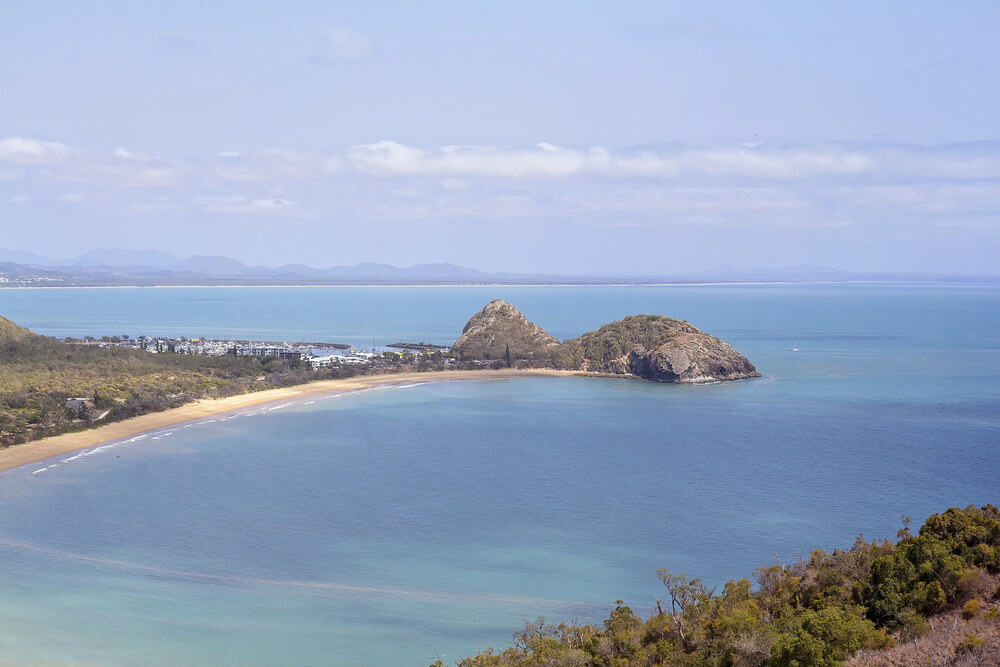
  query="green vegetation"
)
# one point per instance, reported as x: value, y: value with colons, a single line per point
x: 605, y: 349
x: 618, y: 338
x: 39, y: 374
x: 820, y: 611
x: 501, y: 333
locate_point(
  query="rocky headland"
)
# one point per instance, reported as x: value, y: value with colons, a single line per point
x: 501, y: 332
x: 651, y: 347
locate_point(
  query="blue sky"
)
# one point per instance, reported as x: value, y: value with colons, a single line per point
x: 571, y: 137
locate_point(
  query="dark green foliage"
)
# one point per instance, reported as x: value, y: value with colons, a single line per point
x: 567, y: 356
x: 615, y: 340
x: 825, y: 637
x: 816, y: 612
x: 972, y: 534
x: 923, y: 572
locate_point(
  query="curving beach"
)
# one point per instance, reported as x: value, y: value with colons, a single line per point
x: 38, y: 450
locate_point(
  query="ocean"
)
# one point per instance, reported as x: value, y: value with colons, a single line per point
x: 398, y: 525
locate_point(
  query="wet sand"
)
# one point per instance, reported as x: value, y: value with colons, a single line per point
x: 38, y: 450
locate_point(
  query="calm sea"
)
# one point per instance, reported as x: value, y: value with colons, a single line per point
x: 399, y: 525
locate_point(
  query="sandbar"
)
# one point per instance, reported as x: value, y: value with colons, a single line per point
x: 38, y: 450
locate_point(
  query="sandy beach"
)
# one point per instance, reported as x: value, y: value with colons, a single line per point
x: 38, y: 450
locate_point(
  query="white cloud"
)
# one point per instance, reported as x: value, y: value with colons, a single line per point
x: 20, y: 199
x: 338, y: 44
x: 54, y: 161
x: 549, y: 161
x: 272, y: 205
x: 28, y: 150
x: 739, y: 165
x: 387, y: 157
x: 242, y: 205
x: 391, y: 158
x: 125, y: 154
x: 727, y: 185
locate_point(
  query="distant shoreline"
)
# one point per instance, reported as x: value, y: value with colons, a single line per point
x: 991, y: 282
x: 45, y: 448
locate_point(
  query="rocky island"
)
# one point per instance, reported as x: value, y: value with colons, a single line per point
x: 650, y: 347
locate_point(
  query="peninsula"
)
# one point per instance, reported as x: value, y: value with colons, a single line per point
x: 58, y: 396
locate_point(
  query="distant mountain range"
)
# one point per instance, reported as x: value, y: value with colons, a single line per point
x: 154, y: 267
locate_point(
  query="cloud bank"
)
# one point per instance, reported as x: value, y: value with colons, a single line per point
x: 55, y: 161
x: 742, y: 185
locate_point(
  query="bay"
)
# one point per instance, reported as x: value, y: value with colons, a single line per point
x: 398, y: 525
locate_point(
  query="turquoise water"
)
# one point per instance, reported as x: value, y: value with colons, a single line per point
x: 392, y: 526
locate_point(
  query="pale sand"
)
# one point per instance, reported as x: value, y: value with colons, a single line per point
x: 37, y: 450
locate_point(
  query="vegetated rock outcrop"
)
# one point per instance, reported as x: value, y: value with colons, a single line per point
x: 661, y: 349
x: 646, y: 346
x: 499, y: 330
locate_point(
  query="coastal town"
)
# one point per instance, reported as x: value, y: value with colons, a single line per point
x: 316, y: 354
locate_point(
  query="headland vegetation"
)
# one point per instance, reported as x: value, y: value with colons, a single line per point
x: 930, y: 598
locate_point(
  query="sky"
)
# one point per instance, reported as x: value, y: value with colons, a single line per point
x: 560, y: 137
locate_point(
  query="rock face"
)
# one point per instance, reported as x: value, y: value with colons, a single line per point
x: 661, y: 349
x: 500, y: 326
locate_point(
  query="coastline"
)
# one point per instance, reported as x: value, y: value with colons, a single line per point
x: 45, y: 448
x: 694, y: 283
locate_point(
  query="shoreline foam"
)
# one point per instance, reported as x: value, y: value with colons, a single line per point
x: 26, y: 453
